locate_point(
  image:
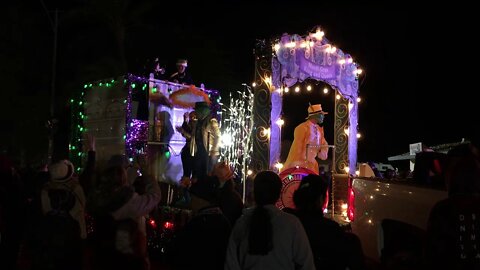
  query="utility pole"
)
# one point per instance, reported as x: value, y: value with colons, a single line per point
x: 52, y: 122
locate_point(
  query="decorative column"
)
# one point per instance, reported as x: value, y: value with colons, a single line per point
x: 340, y: 133
x: 262, y: 107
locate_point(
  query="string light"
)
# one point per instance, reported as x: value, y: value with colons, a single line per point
x: 359, y: 135
x: 286, y: 89
x: 359, y: 99
x: 338, y: 96
x: 325, y: 90
x: 309, y: 88
x: 279, y: 165
x: 277, y: 47
x: 280, y: 122
x: 254, y: 84
x: 297, y: 89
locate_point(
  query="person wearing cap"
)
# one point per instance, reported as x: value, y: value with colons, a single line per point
x: 62, y: 177
x: 181, y: 76
x: 204, y: 144
x: 308, y: 142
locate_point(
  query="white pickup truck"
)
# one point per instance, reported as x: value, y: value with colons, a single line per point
x: 387, y: 212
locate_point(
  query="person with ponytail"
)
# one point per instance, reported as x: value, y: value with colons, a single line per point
x: 266, y: 237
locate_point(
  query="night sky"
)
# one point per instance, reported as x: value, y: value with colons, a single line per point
x: 417, y: 85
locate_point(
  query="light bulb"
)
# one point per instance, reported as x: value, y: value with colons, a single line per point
x: 325, y: 90
x: 297, y: 89
x: 280, y: 122
x: 309, y: 88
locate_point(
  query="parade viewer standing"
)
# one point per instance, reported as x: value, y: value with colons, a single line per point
x: 309, y: 141
x: 181, y: 76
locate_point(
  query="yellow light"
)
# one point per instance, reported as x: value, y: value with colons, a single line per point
x: 341, y: 61
x: 268, y: 80
x: 303, y: 44
x: 371, y: 197
x: 325, y: 90
x: 359, y: 71
x: 279, y: 165
x: 350, y: 106
x: 344, y: 206
x: 328, y: 50
x: 334, y: 49
x: 347, y: 169
x: 280, y: 122
x: 286, y: 89
x: 370, y: 221
x: 277, y: 47
x: 297, y: 89
x: 350, y: 60
x: 312, y: 43
x: 357, y: 172
x: 359, y: 135
x: 249, y: 172
x: 338, y: 96
x: 346, y: 130
x: 309, y: 88
x: 254, y: 84
x: 359, y: 99
x: 265, y: 132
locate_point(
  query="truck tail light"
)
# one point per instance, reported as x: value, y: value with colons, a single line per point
x: 351, y: 202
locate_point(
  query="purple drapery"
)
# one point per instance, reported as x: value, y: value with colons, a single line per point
x: 299, y: 58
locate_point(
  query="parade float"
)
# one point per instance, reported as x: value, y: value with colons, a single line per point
x: 132, y: 115
x: 289, y: 60
x: 136, y: 115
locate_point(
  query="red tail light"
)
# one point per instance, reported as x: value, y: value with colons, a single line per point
x: 168, y: 225
x: 152, y: 223
x: 325, y: 204
x: 351, y: 202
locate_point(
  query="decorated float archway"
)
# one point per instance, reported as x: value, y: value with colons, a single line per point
x: 280, y: 63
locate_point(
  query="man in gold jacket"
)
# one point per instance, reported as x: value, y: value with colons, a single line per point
x: 309, y: 141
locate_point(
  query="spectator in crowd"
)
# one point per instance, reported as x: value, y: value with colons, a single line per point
x: 332, y: 247
x: 202, y: 243
x: 453, y: 231
x: 265, y: 237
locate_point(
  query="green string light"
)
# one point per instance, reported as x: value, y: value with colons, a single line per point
x: 112, y: 81
x: 133, y: 85
x: 85, y: 86
x: 154, y: 90
x: 90, y: 85
x: 167, y: 154
x: 71, y: 100
x: 100, y: 84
